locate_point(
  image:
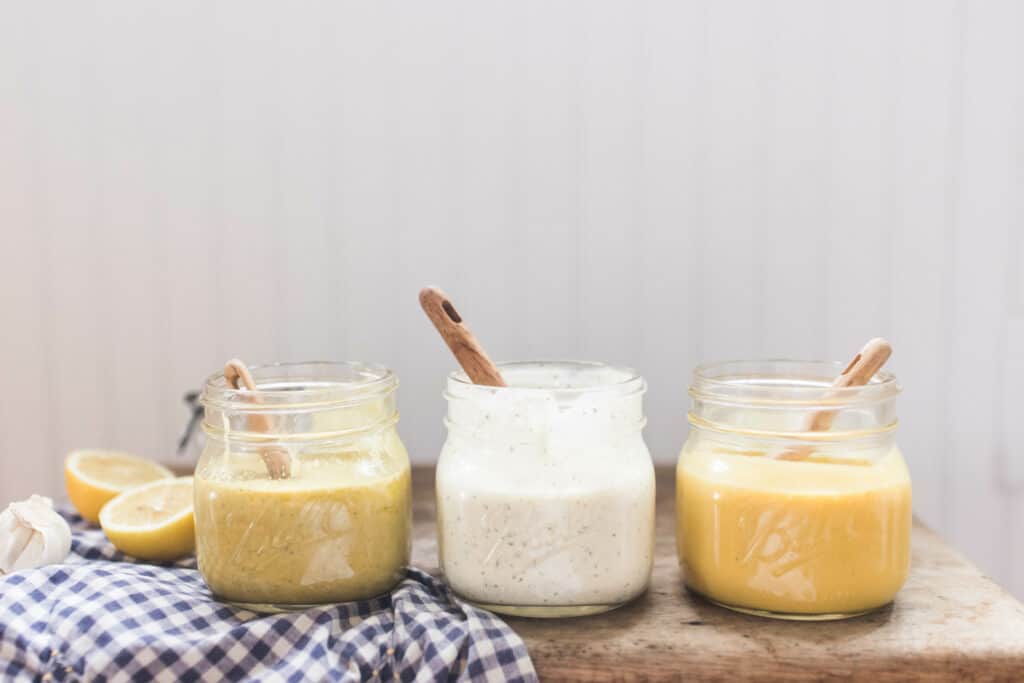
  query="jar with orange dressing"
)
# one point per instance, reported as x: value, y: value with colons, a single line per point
x: 781, y: 522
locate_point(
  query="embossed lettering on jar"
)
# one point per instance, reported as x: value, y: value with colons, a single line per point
x: 545, y: 490
x: 823, y: 536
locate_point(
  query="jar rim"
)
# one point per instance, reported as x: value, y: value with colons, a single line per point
x: 303, y: 384
x: 628, y: 379
x: 783, y: 381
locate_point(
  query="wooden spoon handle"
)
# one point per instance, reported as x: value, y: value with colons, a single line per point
x: 464, y: 346
x: 277, y: 460
x: 237, y: 375
x: 858, y: 372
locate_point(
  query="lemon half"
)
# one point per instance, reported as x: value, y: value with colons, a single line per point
x: 95, y: 476
x: 153, y: 521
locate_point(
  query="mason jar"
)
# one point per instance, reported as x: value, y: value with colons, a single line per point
x: 336, y: 526
x: 777, y: 521
x: 545, y: 490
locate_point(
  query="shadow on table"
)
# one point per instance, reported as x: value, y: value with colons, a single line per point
x: 800, y: 631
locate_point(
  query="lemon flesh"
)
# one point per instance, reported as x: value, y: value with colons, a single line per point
x: 153, y: 521
x: 93, y: 477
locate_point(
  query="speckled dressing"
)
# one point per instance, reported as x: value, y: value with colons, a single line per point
x: 545, y: 490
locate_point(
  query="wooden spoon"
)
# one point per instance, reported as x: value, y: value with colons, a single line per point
x: 276, y: 459
x: 858, y: 372
x: 464, y: 346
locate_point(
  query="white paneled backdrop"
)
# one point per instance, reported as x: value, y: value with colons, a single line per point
x: 647, y: 183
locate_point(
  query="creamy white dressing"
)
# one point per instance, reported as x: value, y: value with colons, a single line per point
x: 546, y: 497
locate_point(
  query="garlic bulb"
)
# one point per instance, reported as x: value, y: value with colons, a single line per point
x: 32, y: 534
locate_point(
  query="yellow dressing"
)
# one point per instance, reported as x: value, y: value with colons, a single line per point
x: 337, y: 530
x: 811, y: 537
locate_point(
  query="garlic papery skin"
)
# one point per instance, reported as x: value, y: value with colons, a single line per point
x: 32, y: 534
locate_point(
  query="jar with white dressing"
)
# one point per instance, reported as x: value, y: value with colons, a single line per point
x: 545, y: 490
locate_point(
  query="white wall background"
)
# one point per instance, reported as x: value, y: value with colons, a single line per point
x: 646, y: 183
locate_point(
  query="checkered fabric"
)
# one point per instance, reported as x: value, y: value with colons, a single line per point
x: 101, y: 617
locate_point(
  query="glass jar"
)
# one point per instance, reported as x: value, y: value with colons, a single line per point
x: 337, y: 528
x: 777, y: 521
x: 545, y: 490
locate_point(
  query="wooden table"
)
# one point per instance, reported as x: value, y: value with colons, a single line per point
x: 948, y: 623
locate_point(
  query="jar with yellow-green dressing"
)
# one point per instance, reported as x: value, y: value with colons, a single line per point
x: 337, y: 525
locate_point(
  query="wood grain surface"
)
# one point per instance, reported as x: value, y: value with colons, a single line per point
x: 949, y: 623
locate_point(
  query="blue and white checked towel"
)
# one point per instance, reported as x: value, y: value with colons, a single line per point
x: 101, y: 617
